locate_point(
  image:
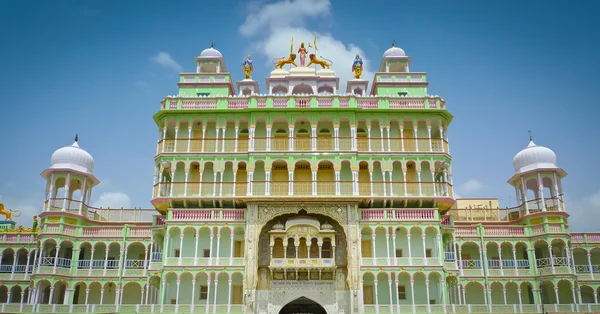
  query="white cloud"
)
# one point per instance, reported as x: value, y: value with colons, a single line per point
x: 585, y: 212
x: 113, y: 200
x: 278, y: 22
x: 469, y: 187
x: 164, y: 59
x: 284, y: 14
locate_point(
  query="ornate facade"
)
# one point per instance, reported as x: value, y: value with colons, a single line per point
x: 302, y: 199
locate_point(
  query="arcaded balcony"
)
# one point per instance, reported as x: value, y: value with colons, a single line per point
x: 303, y: 135
x: 425, y: 180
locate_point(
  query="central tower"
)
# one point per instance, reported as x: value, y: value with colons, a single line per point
x: 283, y: 193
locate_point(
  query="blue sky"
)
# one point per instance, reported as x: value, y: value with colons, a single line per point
x: 100, y: 68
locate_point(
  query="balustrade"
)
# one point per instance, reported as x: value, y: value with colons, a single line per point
x: 399, y: 214
x: 207, y: 214
x: 303, y: 188
x: 99, y: 214
x: 301, y: 144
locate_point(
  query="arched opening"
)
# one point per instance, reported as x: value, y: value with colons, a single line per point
x: 302, y: 89
x: 303, y: 305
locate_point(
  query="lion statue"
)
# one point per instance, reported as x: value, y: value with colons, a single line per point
x: 314, y: 60
x: 8, y: 213
x: 283, y: 61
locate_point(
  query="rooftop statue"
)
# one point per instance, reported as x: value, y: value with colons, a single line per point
x: 248, y: 67
x: 279, y: 63
x: 323, y: 63
x: 357, y: 67
x: 8, y: 213
x: 302, y: 52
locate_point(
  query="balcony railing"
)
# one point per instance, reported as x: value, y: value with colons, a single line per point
x: 195, y: 102
x: 507, y: 214
x: 99, y: 214
x: 301, y: 144
x: 303, y: 188
x: 399, y: 214
x: 207, y: 214
x: 302, y: 263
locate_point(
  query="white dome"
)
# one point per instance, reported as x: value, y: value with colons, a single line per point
x: 394, y: 52
x: 534, y: 157
x: 211, y: 52
x: 72, y: 157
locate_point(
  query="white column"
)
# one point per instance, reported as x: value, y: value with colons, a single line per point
x: 164, y: 138
x: 218, y: 246
x: 291, y: 182
x: 387, y: 245
x: 207, y: 306
x: 215, y: 299
x: 336, y: 137
x: 376, y: 296
x: 51, y: 298
x: 163, y: 290
x: 503, y: 294
x: 551, y: 258
x: 402, y: 137
x: 237, y: 136
x: 374, y: 248
x: 251, y: 138
x: 268, y: 182
x: 102, y: 295
x: 514, y: 251
x: 66, y: 200
x: 229, y: 297
x: 371, y: 180
x: 427, y: 290
x: 175, y: 141
x: 180, y: 260
x: 224, y: 142
x: 589, y: 259
x: 520, y: 299
x: 389, y: 141
x: 500, y: 260
x: 189, y: 138
x: 210, y: 252
x: 177, y: 295
x: 172, y: 182
x: 481, y: 261
x: 56, y: 259
x: 416, y: 135
x: 314, y: 138
x: 355, y: 189
x: 369, y: 137
x: 291, y: 138
x: 314, y: 182
x: 412, y: 293
x: 429, y: 136
x: 391, y: 297
x: 26, y: 266
x: 404, y: 182
x: 353, y: 136
x: 337, y: 183
x: 556, y: 295
x: 193, y: 292
x: 217, y: 129
x: 419, y: 180
x: 250, y: 179
x: 269, y: 141
x: 14, y: 265
x: 381, y: 138
x: 203, y: 138
x: 231, y: 249
x: 541, y: 189
x: 83, y: 192
x: 185, y: 183
x: 524, y: 192
x: 424, y: 250
x: 460, y: 263
x: 408, y: 243
x: 394, y: 248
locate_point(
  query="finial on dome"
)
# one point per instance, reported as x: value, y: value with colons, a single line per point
x: 212, y: 45
x: 76, y: 137
x: 530, y: 137
x: 394, y: 43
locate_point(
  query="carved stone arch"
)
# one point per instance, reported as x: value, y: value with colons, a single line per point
x: 313, y: 295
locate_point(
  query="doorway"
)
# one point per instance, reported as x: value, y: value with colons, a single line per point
x: 303, y: 305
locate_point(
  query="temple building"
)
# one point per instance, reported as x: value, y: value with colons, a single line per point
x: 307, y: 197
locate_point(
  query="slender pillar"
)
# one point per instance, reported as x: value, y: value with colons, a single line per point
x: 215, y: 299
x: 56, y: 259
x: 206, y: 308
x: 410, y: 262
x: 229, y: 297
x: 210, y: 252
x: 376, y: 296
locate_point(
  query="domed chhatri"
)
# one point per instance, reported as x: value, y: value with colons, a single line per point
x: 394, y: 52
x: 534, y: 157
x: 211, y: 52
x: 72, y: 157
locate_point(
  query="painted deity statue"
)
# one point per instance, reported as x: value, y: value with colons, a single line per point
x: 357, y: 67
x: 302, y: 52
x: 248, y: 67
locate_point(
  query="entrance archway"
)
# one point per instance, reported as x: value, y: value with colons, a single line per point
x: 303, y: 305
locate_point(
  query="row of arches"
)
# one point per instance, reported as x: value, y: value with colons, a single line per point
x: 279, y: 134
x: 426, y: 178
